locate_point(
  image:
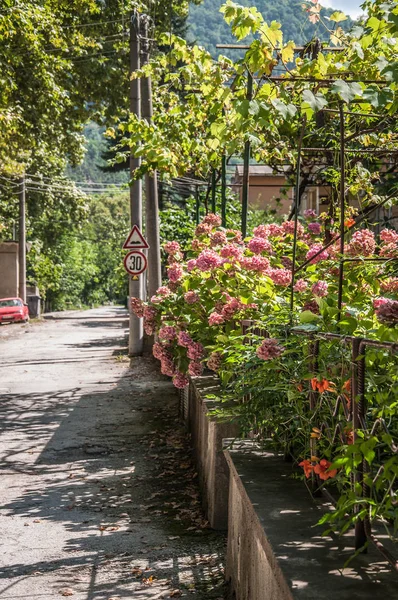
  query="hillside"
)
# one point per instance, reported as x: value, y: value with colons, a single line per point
x: 91, y: 169
x: 208, y: 28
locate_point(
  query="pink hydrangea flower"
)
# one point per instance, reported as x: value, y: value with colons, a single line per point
x: 167, y: 332
x: 184, y: 339
x: 197, y: 246
x: 320, y: 289
x: 275, y: 230
x: 203, y: 229
x: 195, y: 369
x: 309, y: 214
x: 234, y: 236
x: 362, y: 243
x: 315, y: 228
x: 149, y: 327
x: 269, y: 349
x: 191, y: 264
x: 314, y: 250
x: 212, y: 219
x: 137, y: 306
x: 230, y: 308
x: 300, y: 286
x: 214, y: 362
x: 191, y: 297
x: 158, y: 350
x: 150, y: 314
x: 281, y: 277
x: 389, y: 236
x: 180, y: 380
x: 379, y: 302
x: 208, y: 260
x: 387, y: 313
x: 389, y: 251
x: 231, y: 251
x: 288, y: 228
x: 312, y: 306
x: 258, y: 245
x: 174, y: 258
x: 163, y: 291
x: 167, y: 367
x: 175, y: 272
x: 218, y: 238
x: 172, y: 247
x: 260, y: 264
x: 261, y: 231
x: 215, y: 319
x: 195, y: 351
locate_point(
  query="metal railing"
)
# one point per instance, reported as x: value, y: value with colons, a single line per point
x: 352, y: 410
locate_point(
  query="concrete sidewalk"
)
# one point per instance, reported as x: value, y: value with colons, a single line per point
x: 98, y: 494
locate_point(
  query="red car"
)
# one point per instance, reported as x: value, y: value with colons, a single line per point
x: 12, y: 310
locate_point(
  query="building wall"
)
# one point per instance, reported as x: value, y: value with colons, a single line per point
x: 8, y: 269
x: 264, y: 192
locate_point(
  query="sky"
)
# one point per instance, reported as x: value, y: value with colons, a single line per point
x: 350, y: 7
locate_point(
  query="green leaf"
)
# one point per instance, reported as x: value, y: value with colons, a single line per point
x: 337, y: 17
x: 378, y: 98
x: 305, y: 327
x: 316, y: 102
x: 391, y: 72
x: 285, y: 110
x: 308, y: 317
x: 346, y: 91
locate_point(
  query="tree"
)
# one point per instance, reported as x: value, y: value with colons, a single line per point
x: 203, y: 109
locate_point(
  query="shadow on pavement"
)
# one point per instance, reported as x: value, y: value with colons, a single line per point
x: 111, y: 502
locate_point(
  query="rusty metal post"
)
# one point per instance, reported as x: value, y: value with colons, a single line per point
x: 357, y: 405
x: 342, y: 209
x: 296, y: 213
x: 246, y: 164
x: 313, y: 398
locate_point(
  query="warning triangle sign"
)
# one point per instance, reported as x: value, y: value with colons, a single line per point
x: 135, y: 239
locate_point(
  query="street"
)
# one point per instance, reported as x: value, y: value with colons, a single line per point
x: 98, y: 494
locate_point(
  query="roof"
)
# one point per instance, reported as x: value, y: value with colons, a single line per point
x: 262, y: 171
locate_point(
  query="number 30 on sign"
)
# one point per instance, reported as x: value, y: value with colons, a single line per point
x: 135, y: 262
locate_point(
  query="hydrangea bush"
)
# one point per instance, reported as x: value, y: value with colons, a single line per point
x: 223, y: 280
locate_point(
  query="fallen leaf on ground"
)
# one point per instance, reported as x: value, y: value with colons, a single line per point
x: 66, y: 592
x: 175, y: 594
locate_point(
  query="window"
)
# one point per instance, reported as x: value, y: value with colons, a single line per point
x: 11, y: 302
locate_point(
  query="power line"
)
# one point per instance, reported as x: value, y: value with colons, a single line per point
x: 106, y: 39
x: 94, y: 183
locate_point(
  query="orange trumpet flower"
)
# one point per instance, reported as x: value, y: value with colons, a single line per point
x: 322, y: 386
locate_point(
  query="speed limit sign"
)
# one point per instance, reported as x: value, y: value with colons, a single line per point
x: 135, y: 262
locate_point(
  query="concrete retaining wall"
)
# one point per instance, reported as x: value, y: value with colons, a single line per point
x: 275, y: 551
x: 208, y: 433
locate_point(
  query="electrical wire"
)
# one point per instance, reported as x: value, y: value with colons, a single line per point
x: 51, y: 49
x: 94, y: 183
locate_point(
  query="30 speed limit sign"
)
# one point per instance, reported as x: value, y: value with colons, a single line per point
x: 135, y: 262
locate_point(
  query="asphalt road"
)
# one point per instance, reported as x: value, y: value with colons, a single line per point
x: 97, y: 492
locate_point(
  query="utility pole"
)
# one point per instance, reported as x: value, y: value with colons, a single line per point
x: 136, y: 287
x: 22, y: 240
x: 151, y: 180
